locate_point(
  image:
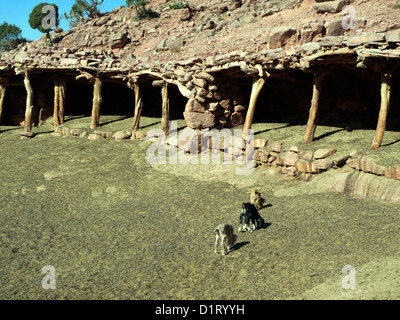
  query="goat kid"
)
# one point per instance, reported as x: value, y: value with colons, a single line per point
x: 224, y: 235
x: 249, y: 214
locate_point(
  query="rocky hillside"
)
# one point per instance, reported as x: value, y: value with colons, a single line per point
x: 201, y: 29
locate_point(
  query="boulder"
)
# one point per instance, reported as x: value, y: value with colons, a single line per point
x: 237, y: 119
x: 312, y: 31
x: 311, y: 46
x: 102, y: 21
x: 305, y: 155
x: 183, y: 14
x: 275, y: 146
x: 234, y: 4
x: 279, y: 36
x: 260, y: 143
x: 335, y: 27
x: 121, y: 135
x: 322, y: 164
x: 289, y: 171
x: 324, y: 153
x: 260, y: 156
x: 205, y: 76
x: 330, y: 6
x: 340, y: 160
x: 290, y: 159
x: 199, y: 82
x: 198, y: 120
x: 393, y: 36
x: 118, y: 40
x: 195, y: 106
x: 368, y: 37
x: 305, y: 166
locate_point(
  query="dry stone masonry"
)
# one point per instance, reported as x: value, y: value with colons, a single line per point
x: 219, y: 57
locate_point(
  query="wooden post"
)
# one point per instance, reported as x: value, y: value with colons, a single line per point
x: 97, y: 100
x: 313, y: 116
x: 59, y: 100
x: 386, y: 78
x: 138, y: 109
x: 62, y: 94
x: 258, y: 84
x: 29, y: 102
x: 3, y: 88
x: 56, y: 103
x: 165, y: 109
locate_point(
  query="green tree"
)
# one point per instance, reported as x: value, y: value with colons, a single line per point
x: 141, y: 11
x: 83, y: 9
x: 44, y: 22
x: 10, y: 36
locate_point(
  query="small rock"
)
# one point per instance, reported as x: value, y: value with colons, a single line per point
x: 94, y: 136
x: 121, y: 135
x: 341, y: 160
x: 305, y: 155
x: 261, y: 156
x: 323, y: 153
x: 275, y: 146
x: 260, y: 143
x: 76, y: 132
x: 27, y: 134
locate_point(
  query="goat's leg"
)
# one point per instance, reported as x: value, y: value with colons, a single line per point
x: 216, y: 243
x: 240, y: 224
x: 224, y: 244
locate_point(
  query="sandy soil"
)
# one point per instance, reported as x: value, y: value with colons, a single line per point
x: 115, y: 227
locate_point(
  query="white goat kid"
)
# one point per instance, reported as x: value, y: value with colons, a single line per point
x: 224, y: 235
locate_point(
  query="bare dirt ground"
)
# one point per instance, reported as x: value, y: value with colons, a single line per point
x: 115, y: 227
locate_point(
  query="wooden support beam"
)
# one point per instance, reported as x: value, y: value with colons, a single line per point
x: 165, y: 109
x: 62, y: 96
x: 29, y: 102
x: 59, y: 100
x: 56, y: 103
x: 258, y: 84
x: 138, y: 108
x: 3, y: 88
x: 386, y: 77
x: 313, y: 115
x: 97, y: 100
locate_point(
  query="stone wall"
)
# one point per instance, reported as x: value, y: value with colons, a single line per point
x: 214, y: 101
x: 295, y: 162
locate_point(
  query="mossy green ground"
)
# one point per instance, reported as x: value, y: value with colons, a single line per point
x: 115, y: 227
